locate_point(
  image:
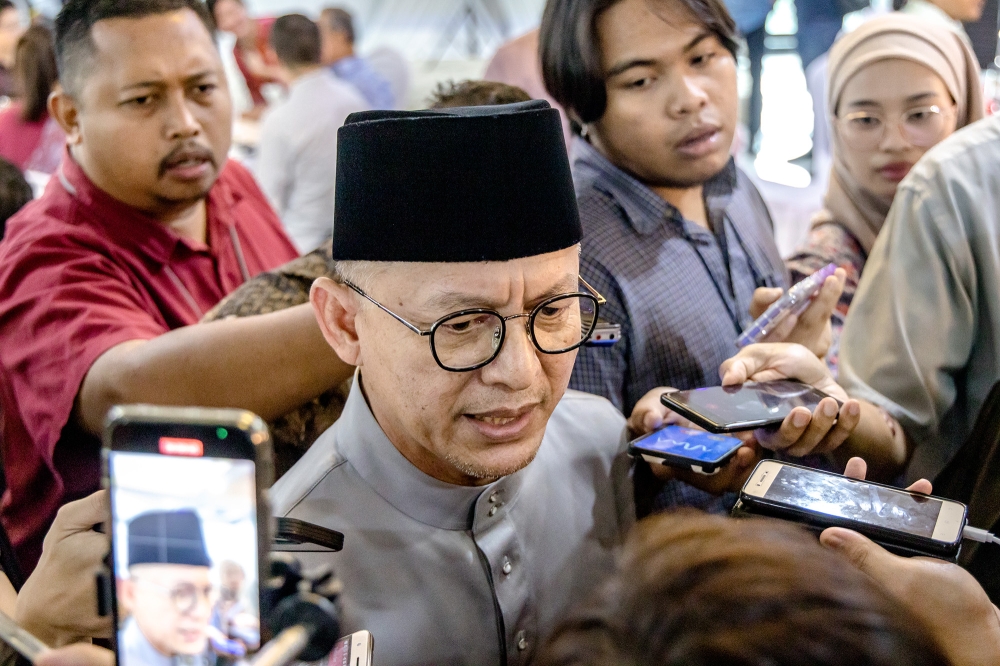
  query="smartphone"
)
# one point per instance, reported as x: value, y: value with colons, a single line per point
x: 746, y: 407
x: 189, y: 531
x: 794, y: 301
x: 698, y: 450
x: 353, y: 650
x: 903, y: 522
x: 605, y: 334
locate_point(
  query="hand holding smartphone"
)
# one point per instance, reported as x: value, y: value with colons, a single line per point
x: 725, y: 409
x: 189, y: 531
x: 903, y: 522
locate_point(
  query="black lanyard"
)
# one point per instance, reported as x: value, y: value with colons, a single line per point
x: 758, y: 278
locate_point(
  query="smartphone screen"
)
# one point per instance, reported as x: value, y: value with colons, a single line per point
x: 184, y: 543
x: 859, y: 501
x: 696, y: 445
x: 751, y: 403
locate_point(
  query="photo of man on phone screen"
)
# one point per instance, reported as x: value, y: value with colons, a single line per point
x: 168, y: 593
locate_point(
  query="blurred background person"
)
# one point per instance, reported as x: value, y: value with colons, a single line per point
x: 296, y: 163
x: 11, y: 29
x: 15, y: 192
x: 337, y: 30
x: 751, y: 19
x: 250, y: 50
x: 952, y: 13
x: 29, y: 137
x: 897, y: 86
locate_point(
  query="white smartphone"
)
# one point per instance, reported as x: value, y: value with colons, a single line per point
x: 353, y: 650
x: 903, y: 522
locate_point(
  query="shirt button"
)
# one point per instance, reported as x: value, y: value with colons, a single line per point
x: 507, y: 567
x: 522, y: 641
x: 493, y: 512
x: 494, y: 497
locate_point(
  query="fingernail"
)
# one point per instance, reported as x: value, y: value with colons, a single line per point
x: 832, y: 540
x: 830, y: 409
x: 800, y: 419
x: 854, y: 409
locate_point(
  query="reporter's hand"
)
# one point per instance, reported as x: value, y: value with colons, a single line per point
x: 811, y: 328
x: 949, y: 601
x: 651, y: 414
x: 802, y: 432
x: 58, y: 602
x: 80, y: 654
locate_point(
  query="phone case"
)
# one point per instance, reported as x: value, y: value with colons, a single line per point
x: 293, y: 535
x: 895, y: 542
x: 659, y: 457
x: 710, y: 425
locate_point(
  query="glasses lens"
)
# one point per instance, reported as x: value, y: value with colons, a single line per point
x: 923, y: 127
x: 467, y: 340
x: 187, y: 596
x: 862, y: 130
x: 564, y: 323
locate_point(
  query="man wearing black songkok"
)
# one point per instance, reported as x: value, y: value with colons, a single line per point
x: 167, y: 592
x: 479, y: 498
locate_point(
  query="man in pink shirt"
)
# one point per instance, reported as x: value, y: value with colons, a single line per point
x: 144, y: 227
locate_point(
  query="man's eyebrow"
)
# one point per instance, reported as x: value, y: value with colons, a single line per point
x: 705, y: 34
x: 160, y: 83
x: 453, y: 301
x: 623, y: 67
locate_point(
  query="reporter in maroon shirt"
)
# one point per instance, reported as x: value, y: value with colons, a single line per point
x: 143, y: 228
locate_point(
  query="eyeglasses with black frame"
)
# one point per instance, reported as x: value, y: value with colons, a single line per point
x: 470, y: 339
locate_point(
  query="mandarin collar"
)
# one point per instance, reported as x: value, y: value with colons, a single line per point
x: 132, y: 228
x: 643, y: 207
x: 395, y: 479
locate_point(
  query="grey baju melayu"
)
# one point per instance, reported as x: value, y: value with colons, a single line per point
x: 439, y: 573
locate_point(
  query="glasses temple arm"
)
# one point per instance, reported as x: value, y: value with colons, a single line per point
x: 387, y: 310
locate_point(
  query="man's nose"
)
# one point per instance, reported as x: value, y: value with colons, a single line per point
x: 181, y: 121
x: 517, y: 364
x: 687, y: 96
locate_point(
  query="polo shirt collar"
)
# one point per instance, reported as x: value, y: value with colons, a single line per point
x: 395, y: 479
x: 643, y: 207
x: 129, y: 227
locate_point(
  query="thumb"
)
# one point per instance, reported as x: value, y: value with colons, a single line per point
x: 862, y: 552
x: 83, y: 514
x: 79, y: 654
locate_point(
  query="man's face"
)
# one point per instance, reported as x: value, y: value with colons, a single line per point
x: 10, y: 31
x: 334, y: 44
x: 172, y: 605
x: 962, y: 10
x: 153, y: 116
x: 671, y: 95
x: 230, y: 15
x: 472, y: 427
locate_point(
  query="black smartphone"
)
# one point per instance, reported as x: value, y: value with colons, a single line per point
x: 189, y: 531
x: 903, y: 522
x: 744, y: 407
x: 701, y: 451
x: 353, y: 650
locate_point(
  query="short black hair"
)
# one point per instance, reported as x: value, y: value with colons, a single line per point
x: 475, y: 93
x: 75, y: 22
x: 571, y: 59
x: 339, y: 19
x: 7, y: 4
x: 212, y: 3
x: 15, y: 191
x: 295, y: 38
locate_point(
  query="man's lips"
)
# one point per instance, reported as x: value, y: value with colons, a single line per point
x: 895, y: 171
x: 700, y: 141
x: 501, y: 423
x: 188, y: 163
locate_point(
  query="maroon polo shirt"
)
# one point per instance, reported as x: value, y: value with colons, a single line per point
x: 81, y: 272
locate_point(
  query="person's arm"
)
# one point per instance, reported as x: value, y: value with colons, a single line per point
x: 268, y: 364
x: 911, y: 326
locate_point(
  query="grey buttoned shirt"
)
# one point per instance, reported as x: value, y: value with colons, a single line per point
x: 445, y: 574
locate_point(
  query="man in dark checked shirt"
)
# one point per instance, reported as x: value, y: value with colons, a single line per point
x: 675, y: 235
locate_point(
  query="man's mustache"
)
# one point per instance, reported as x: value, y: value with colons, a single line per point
x: 184, y: 153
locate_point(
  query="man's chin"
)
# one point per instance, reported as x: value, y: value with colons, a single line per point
x: 495, y: 461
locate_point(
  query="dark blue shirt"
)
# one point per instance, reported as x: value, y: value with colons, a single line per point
x: 680, y: 292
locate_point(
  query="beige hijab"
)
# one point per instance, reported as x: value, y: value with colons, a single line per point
x: 895, y: 35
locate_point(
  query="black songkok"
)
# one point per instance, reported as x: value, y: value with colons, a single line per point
x: 486, y: 183
x: 167, y: 537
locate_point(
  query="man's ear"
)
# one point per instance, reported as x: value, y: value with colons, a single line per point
x: 336, y: 309
x: 65, y: 110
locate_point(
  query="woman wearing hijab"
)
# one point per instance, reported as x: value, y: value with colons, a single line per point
x: 897, y: 86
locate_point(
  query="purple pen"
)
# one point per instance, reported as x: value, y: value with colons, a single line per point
x: 794, y: 301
